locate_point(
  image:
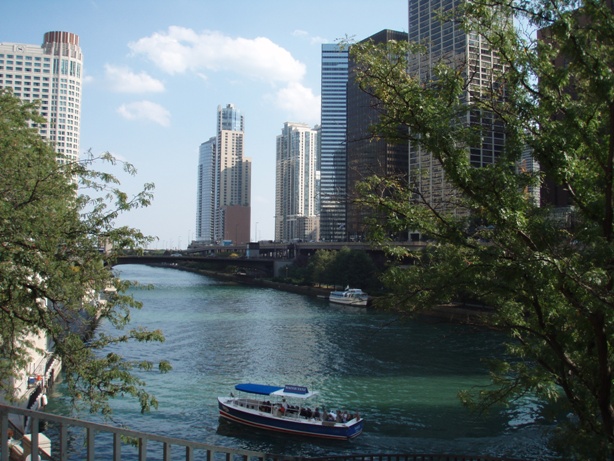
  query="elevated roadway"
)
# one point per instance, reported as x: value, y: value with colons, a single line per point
x: 263, y: 266
x: 263, y: 258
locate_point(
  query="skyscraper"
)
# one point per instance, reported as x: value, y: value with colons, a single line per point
x: 296, y: 183
x: 224, y: 182
x: 333, y: 143
x: 206, y: 196
x: 52, y: 74
x: 447, y: 42
x: 367, y: 156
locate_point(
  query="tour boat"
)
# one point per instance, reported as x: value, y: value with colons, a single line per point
x: 350, y: 296
x: 287, y: 410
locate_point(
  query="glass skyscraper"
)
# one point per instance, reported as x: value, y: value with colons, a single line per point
x: 206, y: 196
x: 366, y: 155
x: 333, y: 156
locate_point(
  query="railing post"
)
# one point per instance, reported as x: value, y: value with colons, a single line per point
x: 117, y: 446
x: 90, y: 444
x: 63, y: 442
x: 4, y: 428
x: 34, y: 438
x: 166, y: 456
x: 142, y: 449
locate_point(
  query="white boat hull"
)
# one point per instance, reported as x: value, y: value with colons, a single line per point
x: 349, y: 297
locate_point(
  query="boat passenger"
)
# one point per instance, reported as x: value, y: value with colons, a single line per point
x: 316, y: 413
x: 266, y: 407
x: 283, y: 407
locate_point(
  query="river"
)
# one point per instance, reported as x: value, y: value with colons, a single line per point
x: 402, y: 375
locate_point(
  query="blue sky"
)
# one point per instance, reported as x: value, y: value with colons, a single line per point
x: 155, y: 72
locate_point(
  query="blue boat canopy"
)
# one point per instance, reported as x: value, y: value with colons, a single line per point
x: 264, y: 389
x: 261, y: 389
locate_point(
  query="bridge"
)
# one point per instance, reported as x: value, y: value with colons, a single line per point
x: 263, y: 266
x: 143, y: 446
x: 291, y: 250
x: 267, y: 259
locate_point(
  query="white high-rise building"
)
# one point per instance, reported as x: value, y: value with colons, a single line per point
x: 52, y: 74
x: 296, y: 184
x: 206, y: 196
x: 224, y: 182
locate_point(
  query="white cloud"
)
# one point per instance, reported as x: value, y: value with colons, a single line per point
x: 299, y: 102
x: 179, y: 50
x: 123, y: 80
x: 313, y: 39
x: 145, y: 110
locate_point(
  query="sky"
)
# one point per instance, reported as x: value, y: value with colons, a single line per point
x: 156, y: 71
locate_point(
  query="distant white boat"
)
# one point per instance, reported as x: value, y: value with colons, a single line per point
x: 349, y: 296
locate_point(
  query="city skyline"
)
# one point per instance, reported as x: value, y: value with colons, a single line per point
x: 151, y: 85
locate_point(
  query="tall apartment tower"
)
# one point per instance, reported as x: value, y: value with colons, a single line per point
x: 333, y: 157
x: 446, y: 42
x: 367, y: 156
x: 51, y: 73
x: 235, y: 171
x: 206, y: 196
x: 296, y: 183
x: 224, y: 182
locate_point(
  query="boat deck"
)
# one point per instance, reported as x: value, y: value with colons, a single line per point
x: 291, y: 413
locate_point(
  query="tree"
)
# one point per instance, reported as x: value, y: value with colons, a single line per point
x: 319, y: 266
x: 343, y: 267
x: 549, y: 280
x: 353, y: 268
x: 52, y: 271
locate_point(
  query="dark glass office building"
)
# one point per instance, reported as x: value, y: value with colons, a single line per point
x: 367, y: 156
x: 333, y: 160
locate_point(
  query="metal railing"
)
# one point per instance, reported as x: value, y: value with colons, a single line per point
x: 410, y: 457
x: 120, y: 437
x: 127, y: 438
